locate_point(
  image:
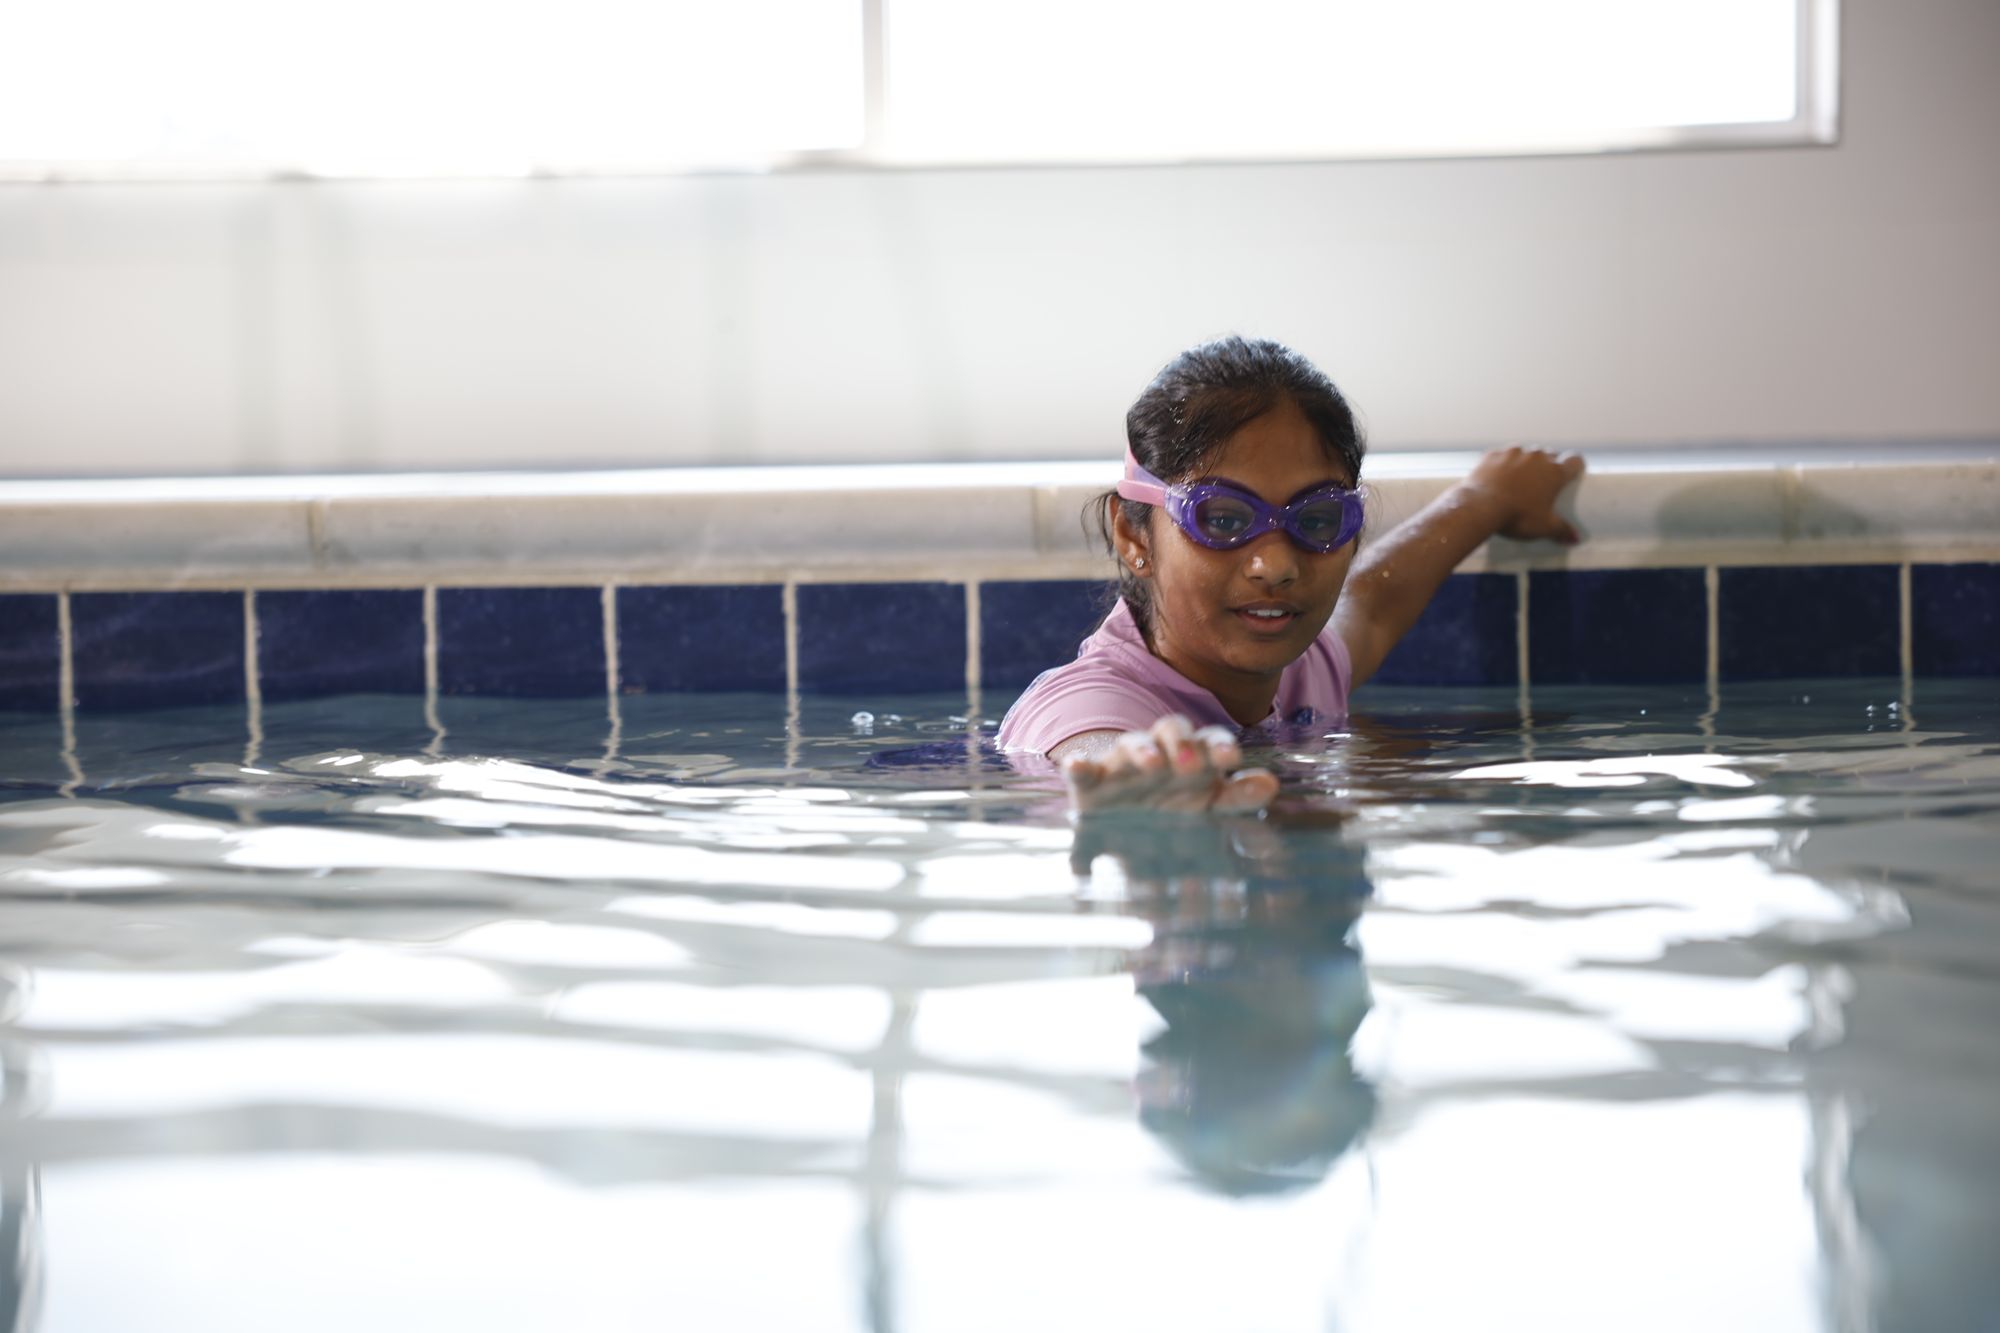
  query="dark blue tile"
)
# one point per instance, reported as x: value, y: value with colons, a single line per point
x: 1464, y: 637
x: 34, y: 753
x: 156, y: 649
x: 30, y: 652
x: 554, y: 732
x: 322, y: 641
x: 544, y: 643
x: 1807, y: 620
x: 1617, y: 626
x: 861, y: 637
x: 699, y: 637
x: 1955, y: 620
x: 139, y: 749
x: 1025, y: 628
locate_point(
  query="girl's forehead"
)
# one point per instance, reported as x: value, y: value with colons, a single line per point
x: 1281, y: 440
x: 1284, y: 462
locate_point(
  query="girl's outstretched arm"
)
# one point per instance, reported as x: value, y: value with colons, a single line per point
x: 1511, y: 493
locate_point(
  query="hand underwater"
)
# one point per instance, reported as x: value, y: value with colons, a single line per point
x: 1169, y: 767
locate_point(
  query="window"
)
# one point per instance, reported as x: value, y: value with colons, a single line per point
x: 1171, y: 79
x: 423, y: 87
x: 164, y: 88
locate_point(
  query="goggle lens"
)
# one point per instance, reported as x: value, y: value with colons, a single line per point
x: 1223, y: 519
x: 1321, y: 523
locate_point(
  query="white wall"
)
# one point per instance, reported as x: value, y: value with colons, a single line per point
x: 1832, y: 293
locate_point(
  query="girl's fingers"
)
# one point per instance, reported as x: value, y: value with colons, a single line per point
x: 1181, y: 759
x: 1188, y: 759
x: 1138, y: 752
x: 1251, y: 789
x: 1082, y: 774
x: 1170, y: 766
x: 1224, y: 751
x: 1529, y: 482
x: 1131, y: 774
x: 1174, y: 738
x: 1200, y: 759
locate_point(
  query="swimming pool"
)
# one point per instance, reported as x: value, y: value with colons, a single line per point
x: 1563, y: 1008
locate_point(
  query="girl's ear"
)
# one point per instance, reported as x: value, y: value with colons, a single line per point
x: 1134, y: 552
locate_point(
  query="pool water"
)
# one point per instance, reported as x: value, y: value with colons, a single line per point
x: 1622, y: 1009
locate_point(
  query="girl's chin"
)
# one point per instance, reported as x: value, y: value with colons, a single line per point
x: 1266, y: 654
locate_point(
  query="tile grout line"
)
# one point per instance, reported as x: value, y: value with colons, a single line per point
x: 789, y: 600
x: 973, y: 684
x: 253, y: 683
x: 1711, y: 582
x: 1906, y: 642
x: 613, y: 713
x: 431, y: 719
x: 66, y: 693
x: 1521, y: 644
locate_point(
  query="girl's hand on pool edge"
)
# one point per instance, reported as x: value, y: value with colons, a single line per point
x: 1525, y: 483
x: 1171, y: 766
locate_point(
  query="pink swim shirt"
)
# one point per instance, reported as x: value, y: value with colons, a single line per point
x: 1116, y: 684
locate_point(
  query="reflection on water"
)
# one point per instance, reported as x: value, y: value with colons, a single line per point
x: 1636, y: 1012
x: 1252, y: 969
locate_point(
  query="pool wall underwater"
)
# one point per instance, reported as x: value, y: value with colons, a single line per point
x: 123, y: 595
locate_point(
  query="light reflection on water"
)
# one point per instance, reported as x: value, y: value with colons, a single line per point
x: 1635, y: 1013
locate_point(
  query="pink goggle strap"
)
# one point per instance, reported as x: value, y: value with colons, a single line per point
x: 1139, y: 484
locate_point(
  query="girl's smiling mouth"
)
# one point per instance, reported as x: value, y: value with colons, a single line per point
x: 1267, y: 617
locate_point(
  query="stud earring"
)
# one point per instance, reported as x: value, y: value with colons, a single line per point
x: 1138, y: 562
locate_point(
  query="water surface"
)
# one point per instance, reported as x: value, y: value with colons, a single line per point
x: 1634, y: 1009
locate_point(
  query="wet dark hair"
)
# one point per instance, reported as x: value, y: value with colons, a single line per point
x: 1192, y: 407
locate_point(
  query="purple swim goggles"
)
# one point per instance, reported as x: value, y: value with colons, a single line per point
x: 1223, y: 517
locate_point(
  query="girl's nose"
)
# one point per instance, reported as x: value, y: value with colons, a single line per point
x: 1272, y: 559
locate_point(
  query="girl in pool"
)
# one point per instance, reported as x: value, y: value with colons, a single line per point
x: 1243, y: 606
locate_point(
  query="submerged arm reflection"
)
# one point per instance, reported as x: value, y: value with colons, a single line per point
x: 1254, y: 969
x: 20, y: 1181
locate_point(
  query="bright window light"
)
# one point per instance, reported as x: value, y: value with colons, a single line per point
x: 236, y: 88
x: 1151, y: 79
x: 424, y: 87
